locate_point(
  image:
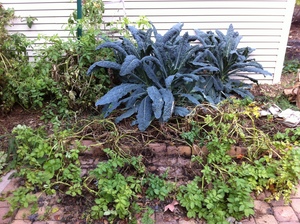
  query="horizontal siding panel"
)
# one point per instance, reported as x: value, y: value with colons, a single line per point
x: 244, y: 33
x: 7, y: 2
x: 45, y: 13
x: 42, y: 6
x: 38, y: 27
x: 207, y: 19
x: 43, y: 20
x: 61, y: 33
x: 193, y: 11
x: 196, y: 4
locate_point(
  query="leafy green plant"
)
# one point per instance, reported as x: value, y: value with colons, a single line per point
x: 119, y: 26
x: 157, y: 187
x: 226, y: 178
x: 29, y: 20
x: 12, y: 55
x: 116, y: 192
x: 146, y: 219
x: 165, y: 76
x: 44, y: 163
x: 3, y: 158
x: 291, y: 66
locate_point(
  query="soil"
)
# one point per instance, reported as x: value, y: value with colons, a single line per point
x: 159, y: 154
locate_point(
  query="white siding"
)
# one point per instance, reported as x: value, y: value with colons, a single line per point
x: 264, y: 24
x: 52, y: 16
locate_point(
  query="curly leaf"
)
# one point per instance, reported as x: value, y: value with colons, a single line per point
x: 131, y: 62
x: 169, y: 80
x: 181, y: 111
x: 117, y: 93
x: 113, y: 45
x: 103, y: 64
x: 127, y: 114
x: 173, y: 32
x: 108, y: 108
x: 168, y: 105
x: 191, y: 98
x: 151, y: 74
x: 144, y: 116
x: 157, y: 101
x: 254, y: 70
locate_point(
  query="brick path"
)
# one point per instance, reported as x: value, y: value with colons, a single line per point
x: 275, y: 212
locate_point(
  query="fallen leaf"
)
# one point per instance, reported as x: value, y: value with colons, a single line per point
x: 171, y: 206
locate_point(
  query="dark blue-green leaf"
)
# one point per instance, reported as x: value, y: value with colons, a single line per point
x: 103, y: 64
x: 117, y: 93
x: 144, y: 116
x: 157, y: 101
x: 130, y: 63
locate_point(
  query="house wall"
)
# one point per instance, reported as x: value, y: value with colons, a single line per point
x: 264, y: 24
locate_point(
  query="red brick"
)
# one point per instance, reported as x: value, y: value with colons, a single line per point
x: 262, y: 207
x: 3, y: 212
x: 248, y: 221
x: 285, y: 214
x: 296, y: 206
x: 265, y: 219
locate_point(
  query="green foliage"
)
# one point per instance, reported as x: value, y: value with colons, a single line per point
x: 45, y: 162
x: 116, y: 192
x: 119, y: 26
x: 3, y: 157
x: 227, y: 178
x: 157, y: 187
x: 290, y: 135
x: 13, y: 61
x: 165, y: 75
x: 29, y: 20
x: 291, y: 66
x: 22, y: 198
x: 146, y: 219
x: 56, y: 80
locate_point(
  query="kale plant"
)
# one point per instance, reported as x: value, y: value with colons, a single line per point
x: 155, y: 75
x: 162, y: 75
x: 221, y: 61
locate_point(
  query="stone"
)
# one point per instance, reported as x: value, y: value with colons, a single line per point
x: 297, y: 192
x: 184, y: 151
x: 172, y: 150
x: 23, y: 213
x: 266, y: 219
x: 278, y: 203
x: 285, y: 214
x: 200, y: 151
x: 251, y: 220
x: 3, y: 212
x: 158, y: 148
x: 262, y: 207
x: 5, y: 180
x: 296, y: 206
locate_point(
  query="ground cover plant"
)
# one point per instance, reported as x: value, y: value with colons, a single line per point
x: 240, y: 159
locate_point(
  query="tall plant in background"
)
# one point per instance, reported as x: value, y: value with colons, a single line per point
x: 14, y: 66
x: 167, y: 75
x: 56, y: 78
x: 66, y: 62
